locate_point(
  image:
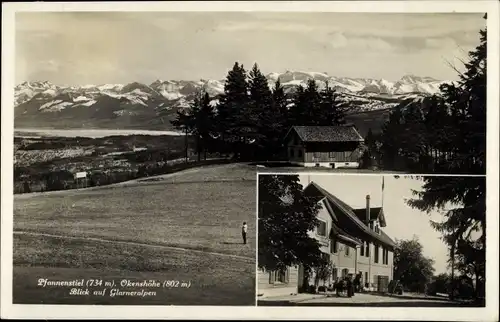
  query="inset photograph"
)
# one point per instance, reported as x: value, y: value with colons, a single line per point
x: 371, y: 240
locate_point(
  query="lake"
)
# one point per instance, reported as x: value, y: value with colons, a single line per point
x: 91, y: 133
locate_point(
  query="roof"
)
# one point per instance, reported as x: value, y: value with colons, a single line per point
x: 352, y: 217
x: 339, y: 133
x: 375, y: 213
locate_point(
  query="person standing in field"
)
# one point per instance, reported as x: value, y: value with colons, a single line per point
x: 244, y: 232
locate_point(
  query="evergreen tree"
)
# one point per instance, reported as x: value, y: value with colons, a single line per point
x: 438, y: 130
x: 280, y: 116
x: 280, y: 105
x: 286, y: 216
x: 185, y: 121
x: 466, y: 196
x: 331, y: 110
x: 312, y: 104
x: 297, y: 112
x: 391, y: 143
x: 199, y: 121
x: 413, y: 141
x: 370, y: 141
x: 260, y: 117
x: 205, y: 123
x: 371, y: 150
x: 233, y: 109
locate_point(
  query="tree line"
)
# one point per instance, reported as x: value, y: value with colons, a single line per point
x: 463, y: 228
x: 251, y: 119
x: 462, y: 131
x: 444, y: 133
x: 414, y: 272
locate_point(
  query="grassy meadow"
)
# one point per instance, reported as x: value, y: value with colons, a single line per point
x: 185, y: 226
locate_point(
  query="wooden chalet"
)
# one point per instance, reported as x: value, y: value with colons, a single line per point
x: 324, y: 146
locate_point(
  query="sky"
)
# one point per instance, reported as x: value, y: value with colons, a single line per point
x: 403, y: 222
x: 80, y: 48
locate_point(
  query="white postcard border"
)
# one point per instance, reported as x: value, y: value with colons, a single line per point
x: 490, y: 312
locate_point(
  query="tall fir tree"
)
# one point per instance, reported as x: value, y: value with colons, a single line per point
x: 260, y: 117
x: 391, y: 144
x: 312, y: 104
x: 233, y: 108
x: 281, y: 117
x: 298, y: 108
x: 186, y: 122
x: 413, y: 140
x: 464, y: 226
x: 331, y: 109
x: 205, y: 120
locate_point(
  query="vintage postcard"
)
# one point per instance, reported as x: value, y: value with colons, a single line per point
x: 250, y: 160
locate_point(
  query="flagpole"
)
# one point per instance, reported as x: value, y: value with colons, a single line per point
x: 382, y: 191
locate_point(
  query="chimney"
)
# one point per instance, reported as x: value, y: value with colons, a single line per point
x: 367, y: 210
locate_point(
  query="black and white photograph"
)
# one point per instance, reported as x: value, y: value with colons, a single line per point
x: 371, y: 240
x: 240, y: 159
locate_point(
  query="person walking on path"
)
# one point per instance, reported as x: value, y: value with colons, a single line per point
x: 244, y: 232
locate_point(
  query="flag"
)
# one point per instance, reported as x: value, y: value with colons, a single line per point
x: 382, y: 183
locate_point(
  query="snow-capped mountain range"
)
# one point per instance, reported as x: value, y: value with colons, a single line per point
x: 144, y: 104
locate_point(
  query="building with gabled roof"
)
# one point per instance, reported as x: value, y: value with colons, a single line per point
x: 353, y: 242
x: 338, y: 146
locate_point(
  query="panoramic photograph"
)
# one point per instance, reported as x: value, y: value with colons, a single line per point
x: 138, y: 137
x: 371, y: 240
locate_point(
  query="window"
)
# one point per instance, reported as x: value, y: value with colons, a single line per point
x: 385, y: 259
x: 321, y: 229
x: 325, y: 256
x: 347, y: 250
x: 366, y: 278
x: 280, y: 276
x: 345, y: 272
x: 315, y: 154
x: 291, y: 153
x: 335, y: 273
x: 331, y: 155
x: 363, y: 249
x: 367, y: 250
x: 300, y: 153
x: 376, y: 253
x: 333, y: 246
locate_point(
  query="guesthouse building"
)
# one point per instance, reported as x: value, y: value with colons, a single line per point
x: 339, y: 146
x: 352, y: 239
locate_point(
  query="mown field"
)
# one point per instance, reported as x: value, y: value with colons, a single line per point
x: 185, y: 226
